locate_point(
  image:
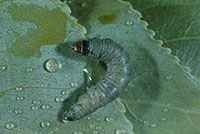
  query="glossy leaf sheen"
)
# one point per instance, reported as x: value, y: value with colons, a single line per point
x: 177, y: 23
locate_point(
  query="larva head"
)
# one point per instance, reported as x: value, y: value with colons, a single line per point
x: 81, y: 47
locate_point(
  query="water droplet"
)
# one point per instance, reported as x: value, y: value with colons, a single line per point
x: 153, y: 125
x: 165, y: 110
x: 85, y: 70
x: 1, y: 11
x: 77, y: 133
x: 45, y: 106
x: 108, y: 119
x: 24, y: 119
x: 20, y: 98
x: 42, y: 85
x: 1, y: 35
x: 168, y: 78
x: 73, y: 84
x: 34, y: 107
x: 2, y: 67
x: 59, y: 99
x: 70, y: 1
x: 92, y: 126
x: 163, y: 119
x: 88, y: 118
x: 45, y: 77
x: 130, y: 11
x: 97, y: 128
x: 95, y: 132
x: 29, y: 69
x: 168, y: 104
x: 10, y: 125
x: 83, y: 4
x: 64, y: 93
x: 120, y: 131
x: 10, y: 31
x: 145, y: 122
x: 18, y: 111
x: 18, y: 88
x: 52, y: 65
x: 90, y: 78
x: 129, y: 22
x: 44, y: 124
x: 36, y: 102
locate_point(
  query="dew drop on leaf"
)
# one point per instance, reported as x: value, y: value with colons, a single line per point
x: 45, y: 77
x: 44, y: 124
x: 88, y: 118
x: 83, y: 4
x: 129, y: 22
x: 145, y: 122
x: 108, y: 119
x: 97, y: 128
x: 29, y: 69
x: 45, y: 106
x: 85, y: 70
x: 153, y: 125
x: 64, y: 93
x: 77, y: 133
x: 163, y: 119
x: 165, y: 110
x: 95, y: 132
x: 18, y: 88
x: 59, y: 99
x: 2, y: 68
x: 168, y: 78
x: 1, y: 35
x: 52, y: 65
x: 20, y: 98
x: 10, y: 125
x: 73, y: 84
x: 42, y: 85
x: 121, y: 131
x: 34, y: 107
x: 36, y: 102
x: 92, y: 126
x: 18, y: 111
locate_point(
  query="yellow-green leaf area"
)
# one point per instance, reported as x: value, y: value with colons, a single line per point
x: 41, y: 76
x: 51, y: 28
x: 107, y: 19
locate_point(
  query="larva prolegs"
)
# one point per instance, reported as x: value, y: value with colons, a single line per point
x: 110, y: 86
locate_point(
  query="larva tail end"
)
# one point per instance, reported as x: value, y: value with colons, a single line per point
x: 68, y: 116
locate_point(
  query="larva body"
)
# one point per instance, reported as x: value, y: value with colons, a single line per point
x: 107, y: 89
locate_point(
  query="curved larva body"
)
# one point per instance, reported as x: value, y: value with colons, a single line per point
x: 114, y: 81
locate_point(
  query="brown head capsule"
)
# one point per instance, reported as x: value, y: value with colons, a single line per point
x: 81, y: 47
x: 111, y: 85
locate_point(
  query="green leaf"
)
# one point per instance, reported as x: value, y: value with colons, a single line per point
x: 162, y: 96
x: 41, y: 76
x: 177, y: 23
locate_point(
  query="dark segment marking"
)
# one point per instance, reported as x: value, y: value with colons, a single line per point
x: 111, y: 85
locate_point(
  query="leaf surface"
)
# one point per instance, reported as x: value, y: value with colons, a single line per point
x: 41, y: 76
x: 162, y: 96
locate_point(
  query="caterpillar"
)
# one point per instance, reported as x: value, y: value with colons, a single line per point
x: 111, y: 85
